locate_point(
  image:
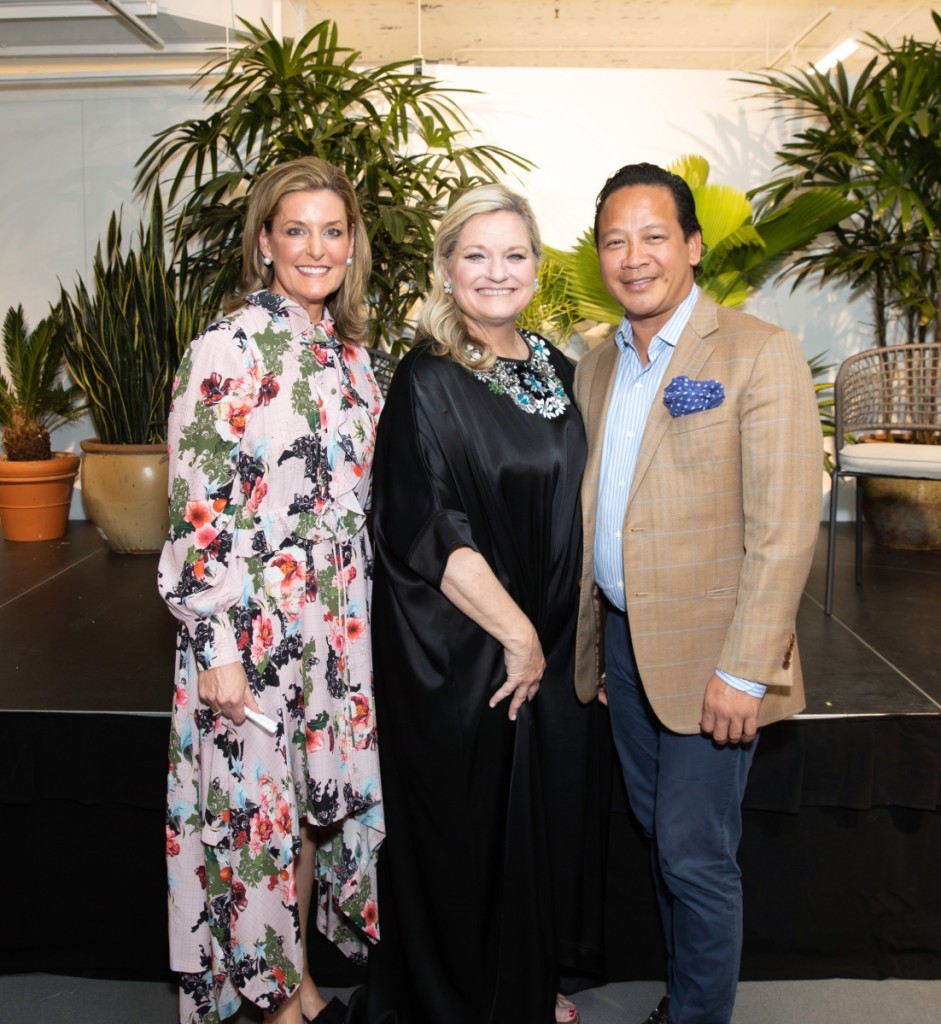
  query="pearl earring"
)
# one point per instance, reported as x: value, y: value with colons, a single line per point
x: 447, y: 288
x: 349, y: 261
x: 266, y: 260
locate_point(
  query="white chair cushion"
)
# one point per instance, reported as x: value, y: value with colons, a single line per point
x: 888, y: 458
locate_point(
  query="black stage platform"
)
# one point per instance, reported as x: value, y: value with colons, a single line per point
x: 841, y: 854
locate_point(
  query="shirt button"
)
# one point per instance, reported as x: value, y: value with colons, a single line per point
x: 617, y: 533
x: 622, y: 483
x: 620, y: 584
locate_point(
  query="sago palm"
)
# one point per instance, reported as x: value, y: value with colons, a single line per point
x: 33, y: 398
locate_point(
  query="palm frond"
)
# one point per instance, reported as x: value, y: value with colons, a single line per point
x: 35, y: 387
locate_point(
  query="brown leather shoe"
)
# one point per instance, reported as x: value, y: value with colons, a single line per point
x: 659, y: 1016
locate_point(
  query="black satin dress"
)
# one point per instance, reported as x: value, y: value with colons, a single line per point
x: 489, y: 878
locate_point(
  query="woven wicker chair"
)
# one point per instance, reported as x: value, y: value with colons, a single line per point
x: 894, y: 390
x: 383, y: 366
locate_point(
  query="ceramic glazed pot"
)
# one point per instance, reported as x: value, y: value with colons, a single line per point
x: 35, y: 497
x: 903, y: 513
x: 124, y: 488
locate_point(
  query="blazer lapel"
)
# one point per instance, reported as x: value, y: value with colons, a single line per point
x: 690, y: 355
x: 600, y: 394
x: 601, y: 385
x: 593, y: 415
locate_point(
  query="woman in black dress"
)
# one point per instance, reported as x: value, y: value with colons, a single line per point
x: 489, y: 876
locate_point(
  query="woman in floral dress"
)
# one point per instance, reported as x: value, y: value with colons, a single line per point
x: 273, y: 774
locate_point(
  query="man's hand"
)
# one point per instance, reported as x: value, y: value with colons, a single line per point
x: 729, y: 715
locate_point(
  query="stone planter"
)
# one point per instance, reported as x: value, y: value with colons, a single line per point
x: 903, y: 513
x: 124, y: 488
x: 35, y: 497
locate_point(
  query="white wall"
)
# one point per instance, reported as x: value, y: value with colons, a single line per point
x: 69, y: 157
x: 70, y: 154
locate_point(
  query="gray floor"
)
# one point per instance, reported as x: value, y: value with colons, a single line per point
x: 50, y: 999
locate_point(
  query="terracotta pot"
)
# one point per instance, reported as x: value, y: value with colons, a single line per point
x: 35, y: 497
x: 903, y: 513
x: 124, y: 488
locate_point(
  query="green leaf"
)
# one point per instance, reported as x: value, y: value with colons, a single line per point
x: 401, y: 139
x: 125, y: 333
x: 34, y: 392
x: 875, y: 141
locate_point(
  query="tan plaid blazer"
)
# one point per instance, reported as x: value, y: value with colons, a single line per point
x: 721, y: 521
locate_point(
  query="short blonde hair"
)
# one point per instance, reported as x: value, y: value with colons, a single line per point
x: 309, y: 174
x: 440, y: 320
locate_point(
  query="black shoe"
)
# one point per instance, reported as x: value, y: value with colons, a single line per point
x: 659, y: 1016
x: 333, y: 1013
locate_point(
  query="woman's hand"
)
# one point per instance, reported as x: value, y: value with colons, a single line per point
x: 525, y: 665
x: 226, y: 691
x: 470, y: 584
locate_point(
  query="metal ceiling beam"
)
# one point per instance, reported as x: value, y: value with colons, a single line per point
x: 56, y: 11
x: 801, y: 36
x: 135, y: 23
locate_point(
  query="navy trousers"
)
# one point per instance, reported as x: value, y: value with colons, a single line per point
x: 686, y: 792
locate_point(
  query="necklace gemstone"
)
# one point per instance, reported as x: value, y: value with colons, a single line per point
x: 531, y: 383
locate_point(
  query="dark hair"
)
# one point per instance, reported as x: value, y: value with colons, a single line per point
x: 650, y: 174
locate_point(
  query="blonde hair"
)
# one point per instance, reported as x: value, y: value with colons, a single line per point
x: 308, y: 174
x: 440, y: 320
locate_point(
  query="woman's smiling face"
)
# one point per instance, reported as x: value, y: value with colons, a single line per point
x: 492, y: 270
x: 309, y: 242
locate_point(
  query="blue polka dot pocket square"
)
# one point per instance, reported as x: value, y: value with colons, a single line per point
x: 683, y: 396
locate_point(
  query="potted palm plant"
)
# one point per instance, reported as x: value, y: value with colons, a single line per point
x: 874, y: 137
x: 35, y: 481
x: 401, y: 138
x: 124, y: 337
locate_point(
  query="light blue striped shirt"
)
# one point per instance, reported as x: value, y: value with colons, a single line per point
x: 636, y: 388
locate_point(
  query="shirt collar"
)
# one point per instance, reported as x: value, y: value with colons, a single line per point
x: 280, y: 304
x: 669, y: 333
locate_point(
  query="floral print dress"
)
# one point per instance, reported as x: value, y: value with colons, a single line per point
x: 268, y: 563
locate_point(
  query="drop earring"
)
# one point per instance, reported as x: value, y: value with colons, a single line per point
x: 447, y: 288
x: 536, y: 286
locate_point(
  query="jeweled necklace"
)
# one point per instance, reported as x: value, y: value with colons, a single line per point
x: 532, y: 383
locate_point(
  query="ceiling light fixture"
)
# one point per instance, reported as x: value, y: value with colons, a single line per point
x: 838, y: 53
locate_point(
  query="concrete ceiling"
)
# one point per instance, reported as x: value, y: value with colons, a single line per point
x: 55, y: 38
x: 727, y: 35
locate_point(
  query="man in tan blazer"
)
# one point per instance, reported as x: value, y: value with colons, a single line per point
x: 701, y: 503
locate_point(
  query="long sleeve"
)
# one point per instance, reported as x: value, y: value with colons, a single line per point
x: 218, y: 387
x: 420, y: 516
x: 781, y: 444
